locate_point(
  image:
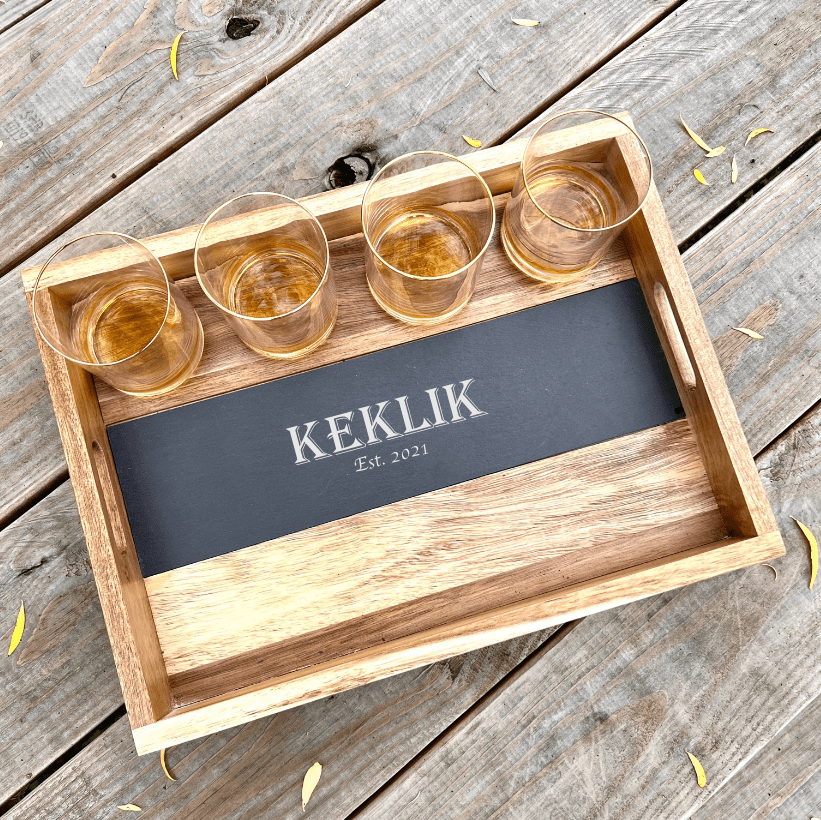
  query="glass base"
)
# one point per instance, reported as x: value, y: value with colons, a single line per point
x: 541, y: 274
x: 296, y: 354
x: 415, y: 320
x: 181, y: 377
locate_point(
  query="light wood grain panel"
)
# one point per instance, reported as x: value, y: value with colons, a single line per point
x: 650, y: 481
x: 362, y: 326
x: 65, y: 654
x: 460, y: 636
x: 717, y: 669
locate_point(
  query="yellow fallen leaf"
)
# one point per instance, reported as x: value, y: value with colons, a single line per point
x: 174, y: 47
x: 756, y: 132
x: 700, y: 775
x: 18, y: 629
x: 471, y: 141
x: 715, y: 152
x: 519, y: 22
x: 747, y: 332
x: 1, y: 143
x: 813, y: 549
x: 772, y: 568
x: 734, y: 171
x: 165, y: 766
x: 129, y: 807
x: 693, y: 136
x: 700, y: 177
x: 309, y: 783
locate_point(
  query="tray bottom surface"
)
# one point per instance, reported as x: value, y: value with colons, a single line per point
x: 304, y: 599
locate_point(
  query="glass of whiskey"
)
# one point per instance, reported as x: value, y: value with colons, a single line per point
x: 428, y: 219
x: 105, y: 302
x: 263, y: 260
x: 583, y: 176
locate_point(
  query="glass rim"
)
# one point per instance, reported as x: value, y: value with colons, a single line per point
x: 475, y: 259
x: 51, y: 258
x: 243, y: 316
x: 562, y: 223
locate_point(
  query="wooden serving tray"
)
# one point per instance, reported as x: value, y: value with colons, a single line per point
x: 215, y: 644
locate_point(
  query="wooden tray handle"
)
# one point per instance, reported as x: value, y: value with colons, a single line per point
x: 671, y: 330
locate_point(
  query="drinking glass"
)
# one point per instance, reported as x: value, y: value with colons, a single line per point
x: 263, y: 260
x: 105, y: 302
x: 583, y: 176
x: 428, y: 219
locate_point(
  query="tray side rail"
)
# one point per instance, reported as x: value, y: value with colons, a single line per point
x: 686, y: 343
x: 123, y: 597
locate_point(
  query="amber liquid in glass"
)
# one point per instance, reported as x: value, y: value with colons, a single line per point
x: 119, y: 320
x: 576, y: 196
x: 426, y: 242
x: 271, y: 282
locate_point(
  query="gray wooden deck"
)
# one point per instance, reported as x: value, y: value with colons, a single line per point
x: 587, y: 721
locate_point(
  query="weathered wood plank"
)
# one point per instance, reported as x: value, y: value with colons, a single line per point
x: 31, y: 456
x: 292, y: 154
x: 782, y: 781
x: 130, y: 210
x: 719, y: 601
x: 89, y: 101
x: 598, y: 726
x: 66, y: 153
x: 380, y: 114
x: 60, y: 682
x: 758, y: 273
x: 362, y: 738
x: 12, y: 11
x: 728, y: 67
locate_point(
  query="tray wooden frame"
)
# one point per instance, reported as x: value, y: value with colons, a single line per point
x: 746, y: 532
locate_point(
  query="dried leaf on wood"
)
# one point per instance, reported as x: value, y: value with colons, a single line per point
x: 747, y: 332
x: 309, y: 783
x: 772, y: 568
x: 693, y: 136
x: 700, y: 177
x: 519, y: 22
x: 18, y: 629
x: 174, y: 47
x: 756, y: 132
x: 472, y: 142
x: 129, y: 807
x: 734, y: 171
x: 1, y: 143
x: 715, y: 152
x: 165, y: 766
x: 813, y: 549
x: 486, y: 77
x: 700, y: 775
